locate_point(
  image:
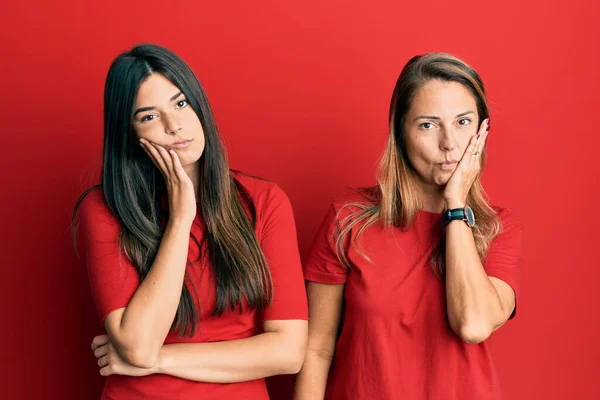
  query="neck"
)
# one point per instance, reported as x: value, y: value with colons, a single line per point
x: 432, y: 197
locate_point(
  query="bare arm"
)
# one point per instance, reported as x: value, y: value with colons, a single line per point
x: 282, y: 346
x: 325, y: 308
x: 279, y: 350
x: 139, y: 330
x: 477, y: 304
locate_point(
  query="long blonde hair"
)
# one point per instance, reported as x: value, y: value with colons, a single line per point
x: 397, y: 200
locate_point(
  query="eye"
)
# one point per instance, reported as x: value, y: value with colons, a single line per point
x: 464, y: 121
x: 182, y: 103
x: 426, y: 125
x: 148, y: 118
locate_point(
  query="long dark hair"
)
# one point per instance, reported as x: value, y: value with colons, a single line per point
x: 133, y: 188
x: 397, y: 201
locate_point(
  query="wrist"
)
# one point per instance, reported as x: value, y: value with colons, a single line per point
x: 179, y: 223
x: 159, y: 367
x: 450, y: 204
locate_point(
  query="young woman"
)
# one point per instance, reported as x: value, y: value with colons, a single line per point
x: 194, y: 268
x: 408, y: 279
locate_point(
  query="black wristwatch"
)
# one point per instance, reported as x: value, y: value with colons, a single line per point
x: 462, y: 214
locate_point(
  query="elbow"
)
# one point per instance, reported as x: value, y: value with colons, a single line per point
x: 137, y: 354
x: 296, y: 362
x: 291, y: 357
x: 471, y: 330
x: 140, y: 358
x: 473, y: 333
x: 293, y: 361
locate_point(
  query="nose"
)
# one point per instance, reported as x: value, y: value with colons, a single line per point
x: 447, y: 139
x: 172, y: 124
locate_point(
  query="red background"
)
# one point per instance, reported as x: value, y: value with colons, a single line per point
x: 301, y: 94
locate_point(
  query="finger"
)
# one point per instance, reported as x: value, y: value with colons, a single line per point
x: 100, y: 340
x: 481, y: 141
x: 177, y: 167
x: 153, y: 154
x: 481, y: 131
x: 101, y: 351
x: 156, y: 157
x: 475, y: 160
x: 485, y: 135
x: 166, y: 159
x: 468, y: 154
x: 147, y: 151
x: 483, y: 128
x: 106, y: 371
x: 103, y: 361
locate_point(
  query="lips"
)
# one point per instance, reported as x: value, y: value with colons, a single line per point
x: 448, y: 165
x: 181, y: 144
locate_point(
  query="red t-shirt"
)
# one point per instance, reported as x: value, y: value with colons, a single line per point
x: 114, y: 280
x: 395, y: 341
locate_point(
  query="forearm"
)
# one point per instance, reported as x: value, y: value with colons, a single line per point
x: 231, y: 361
x: 312, y: 379
x: 149, y: 315
x: 473, y: 303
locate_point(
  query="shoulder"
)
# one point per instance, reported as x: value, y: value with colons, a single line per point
x: 93, y: 207
x: 508, y: 218
x: 355, y: 199
x: 511, y: 228
x: 267, y: 198
x: 253, y: 185
x: 261, y: 191
x: 92, y: 202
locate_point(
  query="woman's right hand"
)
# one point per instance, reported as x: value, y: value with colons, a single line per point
x: 182, y: 199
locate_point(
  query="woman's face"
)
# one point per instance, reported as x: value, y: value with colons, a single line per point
x: 162, y: 115
x: 438, y: 127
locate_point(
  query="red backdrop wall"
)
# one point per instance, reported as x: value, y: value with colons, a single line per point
x: 301, y: 94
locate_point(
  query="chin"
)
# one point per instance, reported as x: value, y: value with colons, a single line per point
x: 442, y: 180
x: 189, y: 159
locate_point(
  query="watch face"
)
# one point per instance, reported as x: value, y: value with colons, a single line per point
x: 470, y: 216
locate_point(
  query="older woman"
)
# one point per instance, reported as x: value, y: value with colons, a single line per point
x: 408, y: 279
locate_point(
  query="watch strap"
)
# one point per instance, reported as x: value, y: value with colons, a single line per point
x: 453, y: 215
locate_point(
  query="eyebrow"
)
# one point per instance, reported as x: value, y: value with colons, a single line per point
x: 438, y: 118
x: 142, y: 109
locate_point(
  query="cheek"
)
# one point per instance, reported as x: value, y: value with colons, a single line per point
x: 192, y: 124
x: 193, y: 129
x: 421, y: 150
x: 465, y: 137
x: 464, y: 140
x: 150, y: 132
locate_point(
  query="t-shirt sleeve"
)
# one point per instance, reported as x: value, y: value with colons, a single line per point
x: 113, y: 278
x: 279, y: 243
x: 323, y: 265
x: 504, y: 255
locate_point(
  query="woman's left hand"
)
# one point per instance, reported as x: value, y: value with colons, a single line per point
x: 111, y: 363
x: 467, y: 170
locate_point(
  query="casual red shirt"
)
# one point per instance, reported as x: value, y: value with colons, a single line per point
x: 395, y: 341
x: 114, y: 280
